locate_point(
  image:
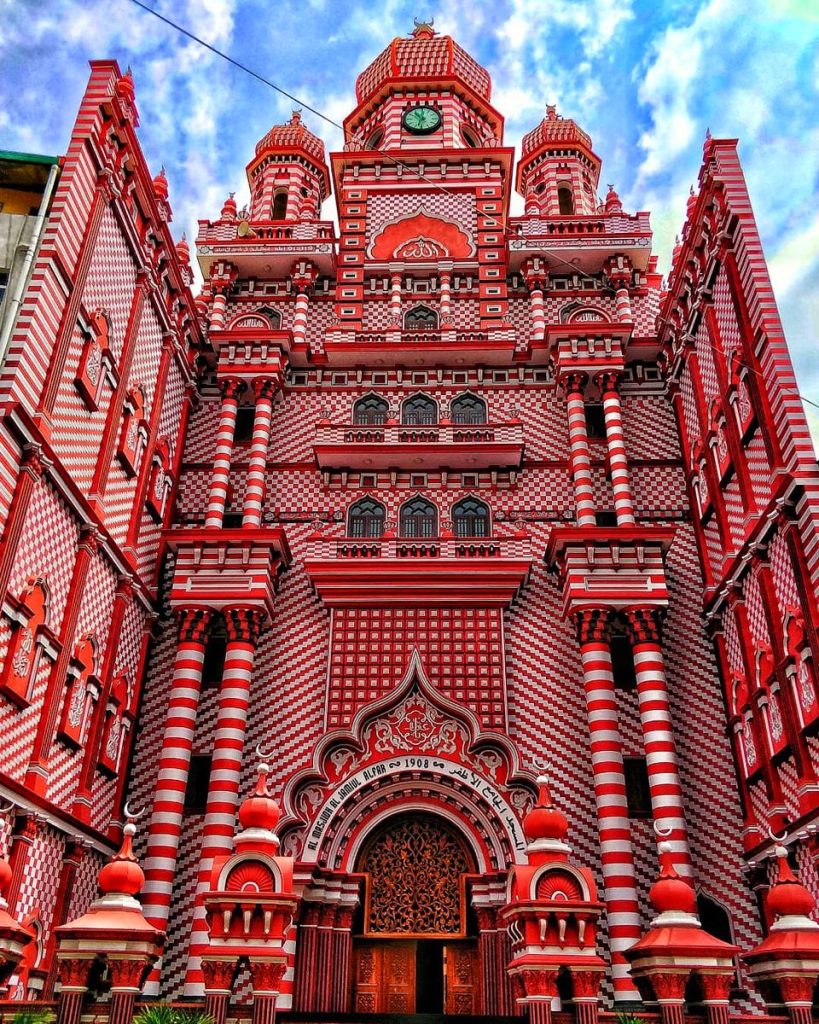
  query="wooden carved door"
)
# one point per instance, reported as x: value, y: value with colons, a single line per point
x: 462, y: 978
x: 384, y: 977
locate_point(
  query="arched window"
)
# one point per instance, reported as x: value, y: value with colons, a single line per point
x: 419, y: 519
x: 470, y: 518
x: 419, y: 411
x: 273, y: 315
x: 714, y: 918
x: 421, y: 317
x: 366, y: 519
x: 565, y: 200
x: 369, y: 410
x: 469, y: 137
x: 279, y: 206
x: 468, y: 409
x: 375, y: 140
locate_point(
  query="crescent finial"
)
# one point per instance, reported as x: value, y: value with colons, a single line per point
x: 662, y: 833
x: 775, y: 838
x: 262, y: 755
x: 132, y: 815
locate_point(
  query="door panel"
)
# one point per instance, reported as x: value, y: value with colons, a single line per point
x: 462, y: 971
x: 384, y: 977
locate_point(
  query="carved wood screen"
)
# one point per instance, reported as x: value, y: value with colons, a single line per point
x: 416, y: 866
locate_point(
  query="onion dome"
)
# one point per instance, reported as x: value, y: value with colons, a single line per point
x: 545, y: 826
x: 229, y: 209
x: 122, y: 875
x: 788, y: 898
x: 259, y: 814
x: 671, y: 894
x: 613, y: 204
x: 555, y: 129
x: 160, y: 184
x: 125, y: 87
x: 425, y: 55
x: 292, y: 135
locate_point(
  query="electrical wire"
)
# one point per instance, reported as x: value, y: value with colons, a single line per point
x: 389, y: 156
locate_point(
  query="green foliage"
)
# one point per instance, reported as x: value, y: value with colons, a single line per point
x: 33, y: 1016
x: 628, y: 1018
x: 161, y: 1013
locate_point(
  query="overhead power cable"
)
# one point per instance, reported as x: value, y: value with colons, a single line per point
x: 384, y: 153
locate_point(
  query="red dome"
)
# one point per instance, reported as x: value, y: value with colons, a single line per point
x: 183, y: 251
x: 125, y: 87
x: 554, y: 128
x: 229, y: 209
x: 787, y: 897
x: 670, y: 892
x: 545, y: 821
x: 122, y: 874
x: 260, y: 810
x: 161, y: 185
x: 424, y: 55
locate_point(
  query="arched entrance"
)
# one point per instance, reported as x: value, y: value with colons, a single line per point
x: 415, y: 950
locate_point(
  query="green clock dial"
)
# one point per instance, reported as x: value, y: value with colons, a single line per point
x: 422, y: 120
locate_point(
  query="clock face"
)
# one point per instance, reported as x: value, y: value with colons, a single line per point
x: 422, y: 120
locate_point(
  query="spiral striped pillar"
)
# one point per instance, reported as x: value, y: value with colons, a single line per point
x: 243, y: 628
x: 580, y: 461
x: 172, y: 779
x: 616, y: 852
x: 217, y: 310
x: 395, y: 297
x: 622, y: 306
x: 658, y: 736
x: 616, y: 443
x: 300, y: 317
x: 220, y: 481
x: 265, y: 388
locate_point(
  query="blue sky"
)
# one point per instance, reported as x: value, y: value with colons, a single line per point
x: 644, y: 78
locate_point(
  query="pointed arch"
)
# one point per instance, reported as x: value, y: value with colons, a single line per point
x: 370, y: 410
x: 419, y: 410
x: 366, y: 519
x: 470, y: 518
x: 418, y: 519
x: 420, y: 317
x: 468, y: 409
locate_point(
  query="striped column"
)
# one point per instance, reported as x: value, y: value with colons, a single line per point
x: 580, y: 461
x: 217, y: 311
x: 300, y: 317
x: 243, y: 628
x: 617, y: 855
x: 265, y: 388
x: 622, y: 306
x: 220, y: 481
x: 537, y: 314
x: 616, y: 443
x: 267, y: 978
x: 395, y: 297
x: 658, y: 736
x: 172, y: 780
x: 446, y: 295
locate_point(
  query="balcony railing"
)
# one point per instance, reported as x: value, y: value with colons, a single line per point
x: 451, y: 445
x: 458, y: 548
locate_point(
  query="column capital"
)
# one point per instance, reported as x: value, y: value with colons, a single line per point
x: 266, y: 387
x: 644, y: 625
x: 608, y: 380
x: 303, y: 275
x: 126, y: 974
x: 218, y: 974
x: 267, y: 976
x: 34, y: 461
x: 192, y: 624
x: 716, y: 988
x: 574, y: 381
x: 535, y: 273
x: 231, y: 387
x: 593, y: 626
x: 244, y: 624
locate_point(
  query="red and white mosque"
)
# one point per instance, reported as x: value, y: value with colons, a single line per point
x: 501, y: 553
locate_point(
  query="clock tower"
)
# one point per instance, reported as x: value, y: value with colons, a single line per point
x: 423, y: 185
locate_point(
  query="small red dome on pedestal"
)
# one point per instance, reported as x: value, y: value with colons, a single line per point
x: 545, y: 821
x: 122, y: 874
x: 260, y: 810
x: 160, y: 184
x: 671, y: 892
x: 229, y: 209
x: 787, y: 897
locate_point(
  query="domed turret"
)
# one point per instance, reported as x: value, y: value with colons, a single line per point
x: 258, y: 817
x: 160, y: 184
x: 229, y: 208
x: 545, y: 821
x: 288, y: 176
x: 788, y: 900
x: 558, y: 170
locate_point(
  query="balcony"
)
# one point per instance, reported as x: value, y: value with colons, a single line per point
x: 423, y: 448
x: 218, y: 568
x: 404, y: 571
x: 610, y: 566
x: 584, y: 242
x: 265, y: 248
